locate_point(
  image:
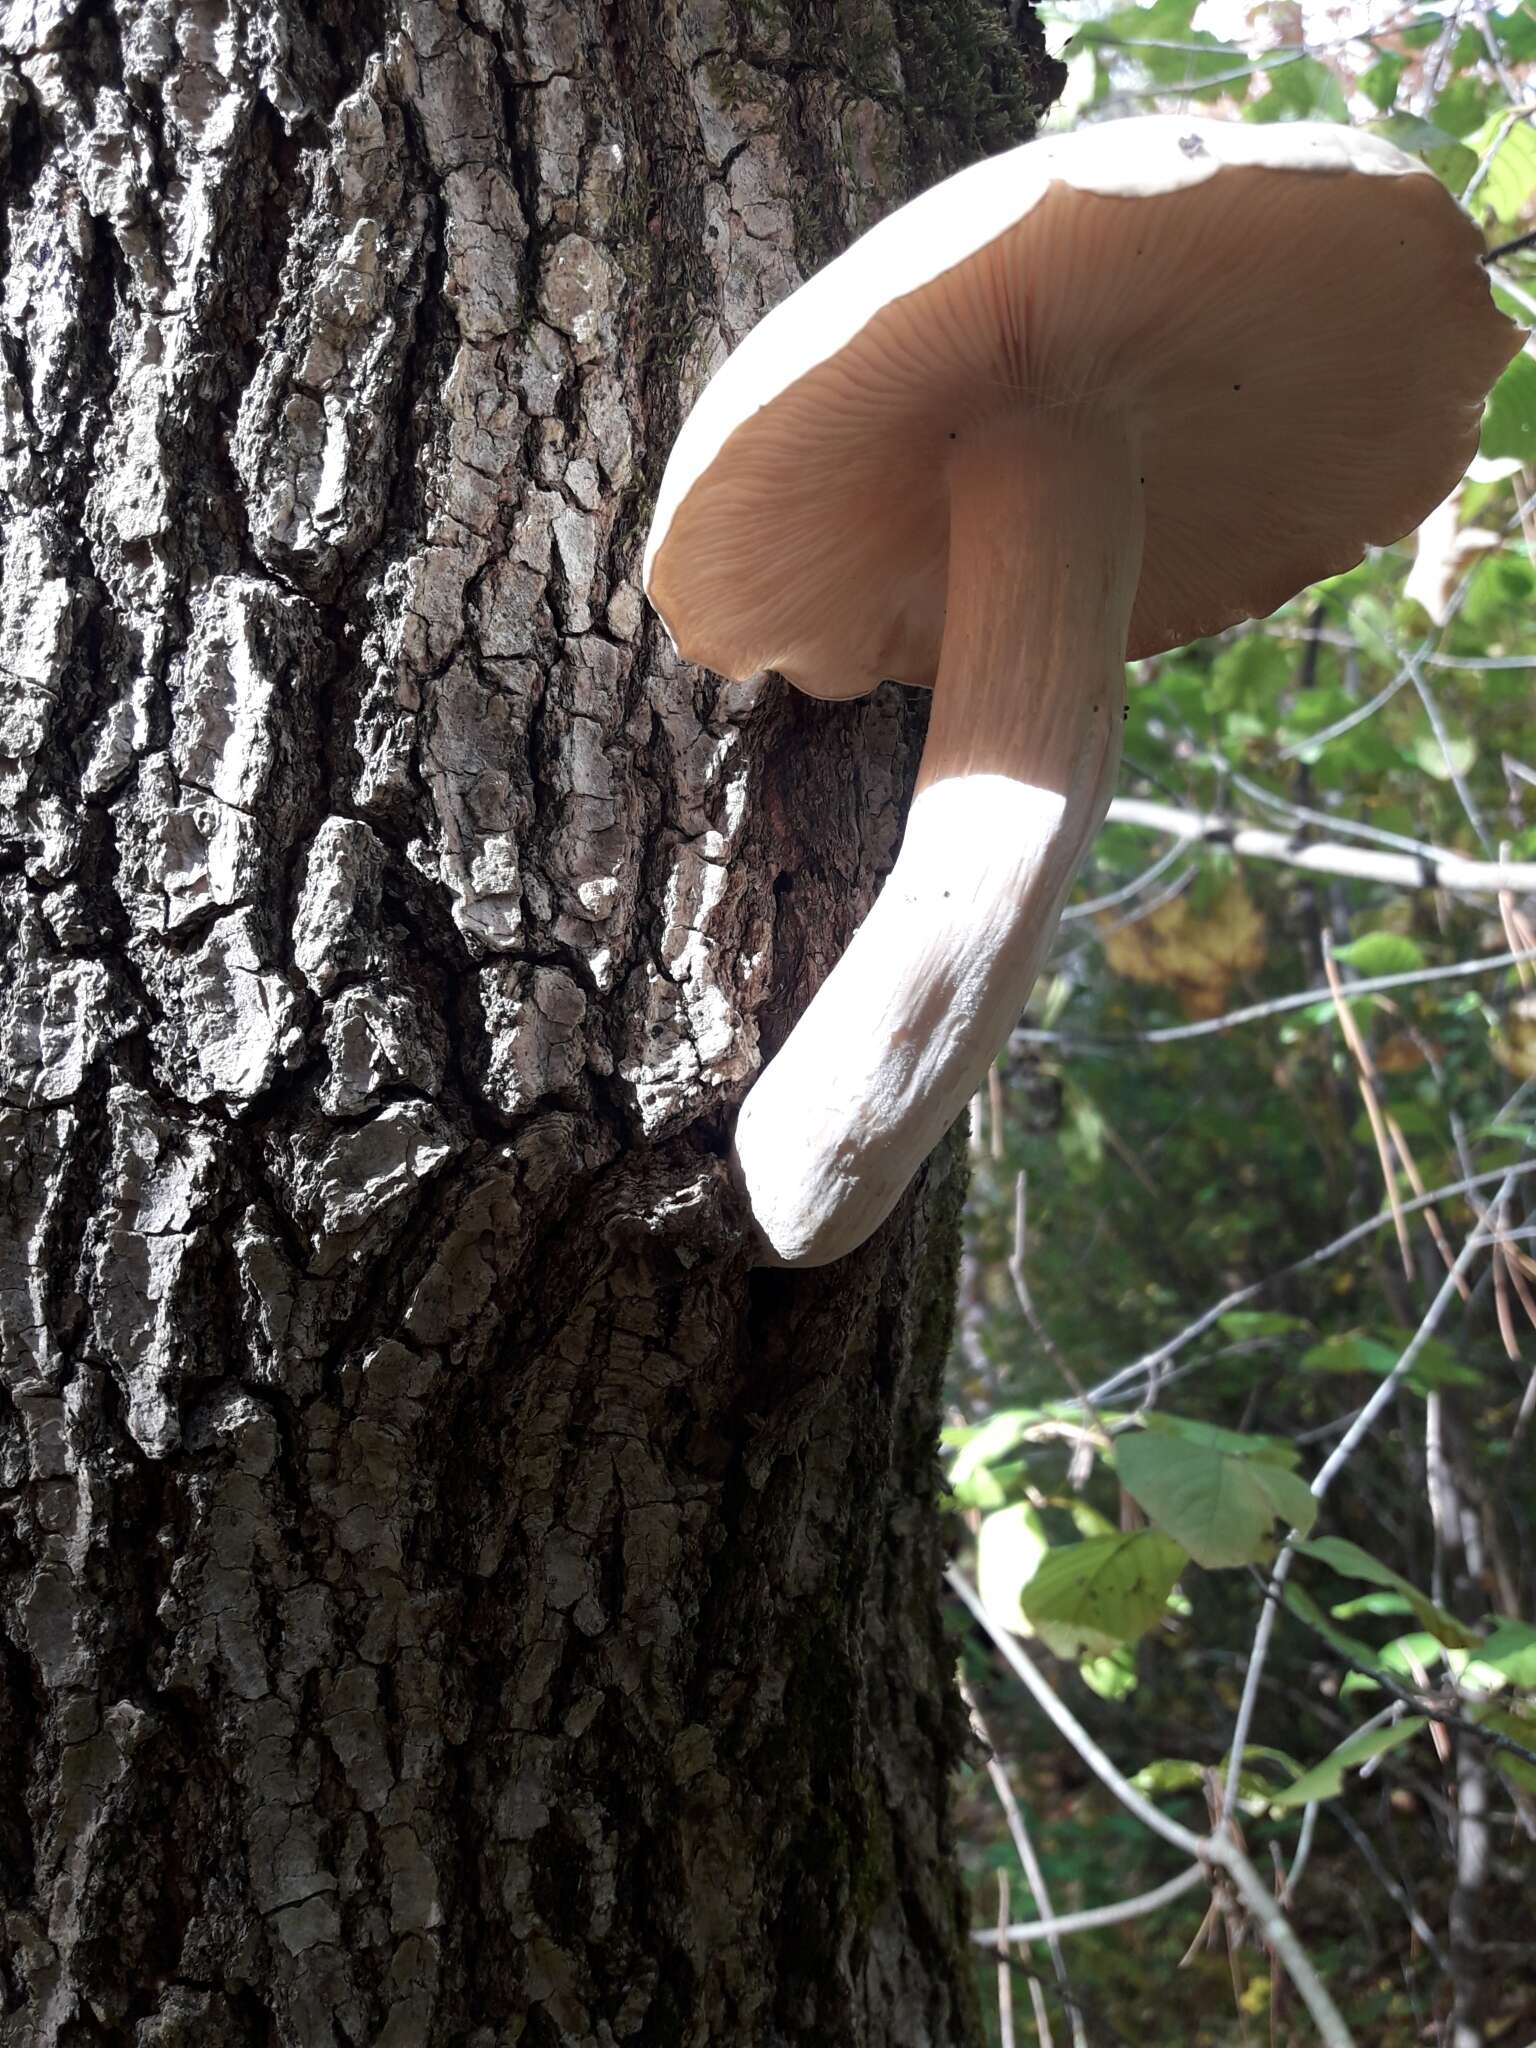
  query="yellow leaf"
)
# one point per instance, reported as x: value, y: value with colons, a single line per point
x: 1514, y: 1043
x: 1198, y: 955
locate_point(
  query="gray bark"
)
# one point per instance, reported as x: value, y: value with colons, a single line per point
x: 444, y: 1595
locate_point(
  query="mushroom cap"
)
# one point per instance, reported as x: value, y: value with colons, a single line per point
x: 1291, y: 321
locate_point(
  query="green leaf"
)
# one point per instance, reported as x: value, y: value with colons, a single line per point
x: 1462, y: 107
x: 1516, y: 32
x: 999, y: 1435
x: 1102, y: 1593
x: 1519, y: 1728
x: 1376, y: 953
x: 1349, y: 1647
x: 1170, y: 1775
x: 1249, y: 675
x: 980, y: 1489
x: 1509, y: 419
x: 1511, y: 1651
x: 1436, y: 1365
x: 1370, y: 1603
x: 1418, y: 1647
x: 1220, y: 1507
x: 1300, y: 90
x: 1112, y: 1677
x: 1245, y: 1324
x: 1197, y: 55
x: 1510, y: 177
x: 1009, y: 1548
x: 1326, y: 1780
x: 1086, y: 1519
x: 1379, y: 84
x: 1451, y: 161
x: 1371, y: 623
x: 1446, y: 762
x: 1350, y: 1353
x: 1273, y: 1450
x: 1351, y: 1562
x: 1421, y: 33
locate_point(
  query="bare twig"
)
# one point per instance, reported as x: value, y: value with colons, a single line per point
x: 1105, y: 1916
x: 1029, y: 1862
x: 1510, y: 248
x: 1394, y: 1891
x: 1005, y: 1979
x: 1018, y: 1274
x: 1219, y: 1848
x: 1333, y: 821
x: 1349, y: 721
x: 1423, y: 1704
x: 1134, y: 887
x: 1058, y: 1712
x: 1278, y: 1006
x: 1338, y: 1458
x: 1401, y: 870
x: 1152, y: 1361
x: 1303, y: 1854
x: 1431, y: 1215
x: 1350, y: 1442
x: 1366, y: 1074
x: 1443, y: 740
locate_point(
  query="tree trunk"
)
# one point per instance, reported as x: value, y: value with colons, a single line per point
x: 447, y: 1597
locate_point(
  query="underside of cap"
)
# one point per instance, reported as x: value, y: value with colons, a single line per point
x: 1297, y: 349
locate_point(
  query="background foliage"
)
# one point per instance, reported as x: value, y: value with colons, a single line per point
x: 1128, y: 1533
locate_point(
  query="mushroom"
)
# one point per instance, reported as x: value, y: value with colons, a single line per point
x: 1085, y: 401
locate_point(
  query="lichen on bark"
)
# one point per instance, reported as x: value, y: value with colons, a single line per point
x: 445, y: 1596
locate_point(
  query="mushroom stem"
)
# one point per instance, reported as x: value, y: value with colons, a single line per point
x: 1023, y: 743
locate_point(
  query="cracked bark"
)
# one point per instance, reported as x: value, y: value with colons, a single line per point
x: 444, y: 1597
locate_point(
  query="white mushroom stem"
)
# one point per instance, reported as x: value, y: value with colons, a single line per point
x: 1045, y: 551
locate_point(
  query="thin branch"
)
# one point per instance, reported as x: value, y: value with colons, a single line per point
x: 1102, y: 1916
x: 1349, y: 1443
x: 1281, y: 1936
x: 1137, y: 883
x: 1029, y: 1862
x: 1057, y: 1711
x: 1328, y: 1472
x: 1303, y: 1854
x: 1219, y: 1848
x: 1331, y: 821
x: 1005, y: 2032
x: 1152, y: 1361
x: 1394, y: 1891
x: 1422, y: 1704
x: 1443, y: 740
x: 1509, y: 248
x: 1416, y: 1182
x: 1018, y: 1274
x: 1278, y: 1006
x: 1365, y: 1072
x: 1508, y: 284
x: 1254, y: 842
x: 1350, y: 720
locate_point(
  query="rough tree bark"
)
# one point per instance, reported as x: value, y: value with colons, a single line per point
x: 446, y: 1596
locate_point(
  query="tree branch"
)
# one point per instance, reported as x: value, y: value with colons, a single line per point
x: 1362, y: 864
x: 1278, y: 1006
x: 1220, y: 1848
x: 1100, y: 1916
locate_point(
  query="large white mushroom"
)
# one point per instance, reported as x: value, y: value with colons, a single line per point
x: 1096, y: 397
